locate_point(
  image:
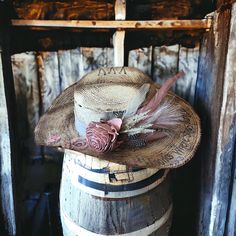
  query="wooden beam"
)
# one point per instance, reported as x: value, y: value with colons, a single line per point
x: 119, y: 35
x: 118, y: 44
x: 93, y: 24
x: 215, y: 103
x: 9, y: 165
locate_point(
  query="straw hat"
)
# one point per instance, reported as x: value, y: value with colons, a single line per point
x: 119, y: 114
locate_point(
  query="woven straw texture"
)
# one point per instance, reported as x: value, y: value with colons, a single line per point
x: 169, y: 152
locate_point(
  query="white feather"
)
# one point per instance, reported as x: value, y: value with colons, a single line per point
x: 166, y: 114
x: 129, y: 122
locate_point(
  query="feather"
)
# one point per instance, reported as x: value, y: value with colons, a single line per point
x: 141, y: 129
x: 167, y: 114
x: 137, y: 100
x: 129, y: 122
x: 153, y: 104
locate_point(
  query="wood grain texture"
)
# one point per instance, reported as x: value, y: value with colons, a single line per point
x: 69, y: 67
x: 49, y: 79
x: 10, y: 165
x: 6, y: 183
x: 92, y: 9
x: 70, y: 10
x: 188, y: 62
x: 141, y: 58
x: 25, y: 73
x: 95, y: 24
x: 112, y: 216
x: 118, y: 44
x: 93, y: 58
x: 225, y: 155
x: 209, y: 93
x: 165, y: 62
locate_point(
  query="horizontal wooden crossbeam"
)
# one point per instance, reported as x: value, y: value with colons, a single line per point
x: 124, y: 24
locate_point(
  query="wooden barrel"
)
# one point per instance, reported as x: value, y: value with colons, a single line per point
x: 104, y: 198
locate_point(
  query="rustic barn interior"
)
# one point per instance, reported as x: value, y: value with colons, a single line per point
x: 46, y: 46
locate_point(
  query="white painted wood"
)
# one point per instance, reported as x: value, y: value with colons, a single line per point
x: 188, y: 62
x: 48, y: 77
x: 141, y: 58
x: 120, y: 9
x: 118, y: 44
x: 25, y: 72
x: 7, y: 201
x: 93, y: 58
x: 165, y: 62
x: 119, y: 36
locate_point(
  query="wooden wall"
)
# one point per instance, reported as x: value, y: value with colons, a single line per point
x: 40, y: 76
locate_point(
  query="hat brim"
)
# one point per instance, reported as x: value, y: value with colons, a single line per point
x: 169, y: 152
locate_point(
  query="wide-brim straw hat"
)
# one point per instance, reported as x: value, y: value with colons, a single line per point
x: 104, y: 94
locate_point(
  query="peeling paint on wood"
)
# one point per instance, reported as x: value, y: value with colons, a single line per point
x: 213, y: 162
x: 25, y: 73
x: 141, y: 58
x: 5, y: 161
x: 226, y: 140
x: 165, y: 62
x: 48, y: 77
x: 188, y: 62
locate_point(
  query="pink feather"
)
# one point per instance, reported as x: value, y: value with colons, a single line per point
x: 153, y: 104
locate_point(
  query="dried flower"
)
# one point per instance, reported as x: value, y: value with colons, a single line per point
x: 102, y: 136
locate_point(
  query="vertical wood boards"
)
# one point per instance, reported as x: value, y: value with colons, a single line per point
x: 188, y: 62
x: 10, y: 181
x: 6, y: 180
x: 25, y: 73
x: 225, y: 155
x: 73, y: 64
x: 119, y: 35
x: 163, y: 62
x: 214, y: 156
x: 69, y: 67
x: 93, y: 58
x: 141, y: 58
x: 48, y: 77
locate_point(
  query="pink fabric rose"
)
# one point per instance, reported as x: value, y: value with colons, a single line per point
x: 101, y: 137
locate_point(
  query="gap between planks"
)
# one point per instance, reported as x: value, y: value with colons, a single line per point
x: 117, y: 24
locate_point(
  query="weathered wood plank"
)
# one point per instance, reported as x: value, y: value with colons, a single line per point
x: 141, y: 58
x: 70, y: 10
x: 6, y: 181
x: 120, y: 9
x: 119, y: 50
x: 231, y: 220
x: 222, y: 3
x: 92, y: 9
x: 69, y: 66
x: 48, y: 77
x: 25, y: 74
x: 93, y: 58
x: 165, y: 62
x: 188, y: 62
x: 95, y: 24
x: 10, y: 166
x: 223, y: 177
x: 208, y: 103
